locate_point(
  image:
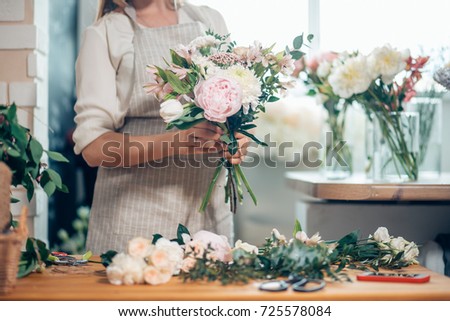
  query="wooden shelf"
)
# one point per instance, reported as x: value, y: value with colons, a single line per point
x: 359, y: 188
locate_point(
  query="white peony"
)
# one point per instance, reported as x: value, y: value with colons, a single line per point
x: 246, y: 247
x: 381, y: 235
x: 386, y: 62
x: 171, y: 110
x: 251, y: 88
x: 351, y: 77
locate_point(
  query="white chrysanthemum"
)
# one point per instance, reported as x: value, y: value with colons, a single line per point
x: 251, y: 88
x: 126, y: 269
x: 386, y: 62
x: 350, y: 78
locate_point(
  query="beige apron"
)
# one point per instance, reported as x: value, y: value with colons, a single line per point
x: 142, y: 201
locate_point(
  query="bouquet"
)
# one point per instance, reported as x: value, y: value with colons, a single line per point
x: 213, y: 80
x: 382, y: 82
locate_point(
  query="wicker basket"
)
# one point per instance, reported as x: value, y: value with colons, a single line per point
x: 10, y: 251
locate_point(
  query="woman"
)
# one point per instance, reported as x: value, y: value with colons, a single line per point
x: 146, y: 182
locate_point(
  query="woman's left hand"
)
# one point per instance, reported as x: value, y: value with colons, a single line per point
x: 243, y: 142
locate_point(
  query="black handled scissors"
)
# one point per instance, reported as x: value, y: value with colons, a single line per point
x: 299, y: 284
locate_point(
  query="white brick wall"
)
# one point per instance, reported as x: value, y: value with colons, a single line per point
x: 3, y: 93
x: 18, y: 37
x: 12, y: 10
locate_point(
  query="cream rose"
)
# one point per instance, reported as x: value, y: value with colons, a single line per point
x: 246, y: 247
x: 139, y: 247
x: 381, y: 235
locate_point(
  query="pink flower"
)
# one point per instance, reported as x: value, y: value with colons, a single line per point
x: 312, y: 62
x: 219, y: 96
x: 219, y: 243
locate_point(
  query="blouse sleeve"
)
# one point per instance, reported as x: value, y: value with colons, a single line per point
x: 97, y: 104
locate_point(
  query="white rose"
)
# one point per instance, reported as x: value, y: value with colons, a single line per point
x: 381, y: 235
x: 280, y: 237
x: 171, y: 110
x: 173, y: 251
x: 114, y: 274
x: 411, y: 252
x: 246, y: 247
x: 156, y: 276
x: 398, y: 243
x: 139, y: 247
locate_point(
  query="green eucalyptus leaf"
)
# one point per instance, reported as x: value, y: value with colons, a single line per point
x: 298, y: 42
x: 310, y: 37
x: 50, y: 188
x: 36, y: 150
x: 56, y: 156
x: 297, y: 54
x: 12, y: 152
x: 273, y: 99
x: 55, y: 178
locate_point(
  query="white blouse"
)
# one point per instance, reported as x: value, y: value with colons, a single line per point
x: 105, y: 69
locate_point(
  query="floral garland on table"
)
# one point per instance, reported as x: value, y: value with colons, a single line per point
x: 208, y: 256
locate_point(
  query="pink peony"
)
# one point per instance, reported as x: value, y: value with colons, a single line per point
x: 219, y: 243
x: 219, y: 96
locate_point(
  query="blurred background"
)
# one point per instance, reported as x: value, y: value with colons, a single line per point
x: 37, y: 71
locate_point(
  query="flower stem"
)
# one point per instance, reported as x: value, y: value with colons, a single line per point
x: 210, y: 188
x: 240, y: 174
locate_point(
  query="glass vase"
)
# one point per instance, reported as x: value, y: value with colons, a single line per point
x: 393, y: 146
x: 337, y: 157
x: 430, y: 135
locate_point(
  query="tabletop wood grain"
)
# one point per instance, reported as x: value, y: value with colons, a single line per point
x: 90, y: 283
x: 359, y: 188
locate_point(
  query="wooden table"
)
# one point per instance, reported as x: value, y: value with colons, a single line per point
x: 90, y: 283
x: 417, y: 211
x: 359, y: 188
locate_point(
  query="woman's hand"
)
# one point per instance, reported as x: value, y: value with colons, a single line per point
x: 200, y: 139
x: 243, y: 142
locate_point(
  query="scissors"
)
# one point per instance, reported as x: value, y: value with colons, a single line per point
x: 299, y: 284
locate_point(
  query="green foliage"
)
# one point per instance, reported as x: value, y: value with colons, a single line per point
x: 35, y: 257
x: 23, y: 153
x: 107, y: 257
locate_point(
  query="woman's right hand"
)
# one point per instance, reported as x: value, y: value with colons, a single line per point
x: 203, y: 138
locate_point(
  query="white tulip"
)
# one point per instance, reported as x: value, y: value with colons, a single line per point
x: 171, y: 110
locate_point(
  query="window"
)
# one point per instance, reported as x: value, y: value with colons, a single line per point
x: 268, y: 21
